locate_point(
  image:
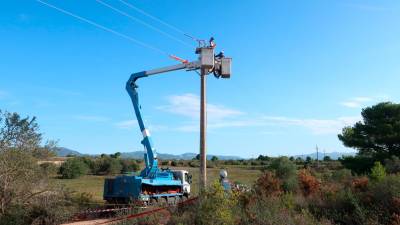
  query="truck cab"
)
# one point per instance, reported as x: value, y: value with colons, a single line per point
x: 185, y: 178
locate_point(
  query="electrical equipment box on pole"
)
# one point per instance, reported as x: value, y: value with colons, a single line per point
x: 226, y: 67
x: 206, y: 57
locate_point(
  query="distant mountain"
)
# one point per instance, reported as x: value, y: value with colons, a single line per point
x: 332, y: 155
x: 166, y: 156
x: 62, y: 152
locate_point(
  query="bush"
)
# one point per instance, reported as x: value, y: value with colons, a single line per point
x: 73, y: 168
x: 107, y: 166
x: 392, y: 165
x: 129, y: 165
x: 285, y: 170
x: 386, y: 197
x: 309, y: 184
x: 194, y: 164
x: 215, y: 206
x: 49, y: 168
x: 378, y: 172
x: 268, y: 185
x: 341, y: 175
x: 174, y: 163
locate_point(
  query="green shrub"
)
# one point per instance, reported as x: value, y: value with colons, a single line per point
x: 129, y: 165
x: 392, y: 165
x: 215, y: 206
x: 378, y: 172
x: 73, y: 168
x: 285, y: 170
x: 341, y: 175
x: 194, y: 164
x: 107, y: 166
x: 386, y: 197
x: 49, y: 168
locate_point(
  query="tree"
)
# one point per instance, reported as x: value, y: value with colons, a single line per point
x: 392, y: 165
x: 214, y: 158
x: 378, y: 172
x: 107, y: 165
x: 327, y: 158
x: 263, y: 158
x: 116, y: 155
x: 19, y: 133
x: 378, y: 134
x: 285, y: 170
x: 129, y: 165
x: 73, y: 168
x: 26, y: 195
x: 358, y: 164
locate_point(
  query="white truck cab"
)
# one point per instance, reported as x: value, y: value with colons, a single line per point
x: 185, y: 178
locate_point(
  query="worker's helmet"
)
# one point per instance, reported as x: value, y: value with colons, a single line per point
x: 223, y: 174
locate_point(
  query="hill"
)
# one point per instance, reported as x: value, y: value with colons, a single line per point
x: 62, y: 152
x: 184, y: 156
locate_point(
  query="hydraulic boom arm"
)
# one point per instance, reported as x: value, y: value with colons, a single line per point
x: 150, y: 157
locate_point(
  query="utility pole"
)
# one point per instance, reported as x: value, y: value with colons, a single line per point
x: 203, y: 127
x: 220, y: 66
x: 317, y: 156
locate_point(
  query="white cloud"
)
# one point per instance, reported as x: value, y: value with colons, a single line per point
x: 188, y: 105
x: 92, y: 118
x: 316, y: 126
x: 357, y: 102
x: 219, y: 116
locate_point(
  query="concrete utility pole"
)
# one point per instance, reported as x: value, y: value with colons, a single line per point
x: 203, y: 128
x: 220, y: 66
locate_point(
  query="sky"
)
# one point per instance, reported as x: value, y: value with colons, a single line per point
x: 302, y: 70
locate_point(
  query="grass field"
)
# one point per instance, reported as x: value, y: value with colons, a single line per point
x: 94, y: 184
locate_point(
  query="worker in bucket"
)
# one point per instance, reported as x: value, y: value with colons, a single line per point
x: 223, y: 180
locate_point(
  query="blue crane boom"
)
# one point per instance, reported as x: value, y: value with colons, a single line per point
x: 150, y: 156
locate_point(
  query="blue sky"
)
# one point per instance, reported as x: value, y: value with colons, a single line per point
x: 302, y: 70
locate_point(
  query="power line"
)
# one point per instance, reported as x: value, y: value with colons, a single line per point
x: 143, y: 23
x: 105, y: 28
x: 159, y: 20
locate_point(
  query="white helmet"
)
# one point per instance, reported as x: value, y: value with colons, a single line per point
x: 223, y: 174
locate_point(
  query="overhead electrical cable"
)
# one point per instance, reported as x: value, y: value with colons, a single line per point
x: 159, y: 20
x: 143, y: 44
x: 143, y: 23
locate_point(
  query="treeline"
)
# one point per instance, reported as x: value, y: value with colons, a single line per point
x: 75, y: 167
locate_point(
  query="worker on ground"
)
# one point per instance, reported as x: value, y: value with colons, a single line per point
x: 223, y: 180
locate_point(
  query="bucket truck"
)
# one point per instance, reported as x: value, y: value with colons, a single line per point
x: 155, y: 185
